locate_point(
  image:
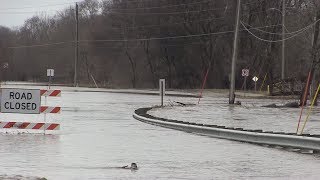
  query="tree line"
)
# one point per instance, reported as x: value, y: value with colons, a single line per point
x: 133, y: 43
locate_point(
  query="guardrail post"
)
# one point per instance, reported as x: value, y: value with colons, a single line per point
x: 162, y: 87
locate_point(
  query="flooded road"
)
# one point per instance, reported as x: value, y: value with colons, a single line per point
x: 250, y: 115
x: 98, y: 132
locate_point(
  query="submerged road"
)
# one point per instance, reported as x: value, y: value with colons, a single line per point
x: 98, y: 131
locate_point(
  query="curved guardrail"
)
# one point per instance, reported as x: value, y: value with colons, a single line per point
x: 305, y: 141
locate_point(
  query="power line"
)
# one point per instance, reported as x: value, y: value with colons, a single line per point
x: 158, y: 38
x: 165, y: 6
x: 143, y: 39
x: 135, y: 1
x: 27, y: 12
x: 33, y: 7
x: 170, y: 24
x: 172, y: 45
x: 133, y: 13
x: 251, y: 3
x: 124, y: 40
x: 128, y: 13
x: 40, y: 45
x: 266, y: 40
x: 167, y: 45
x: 267, y: 32
x: 143, y: 8
x: 169, y: 13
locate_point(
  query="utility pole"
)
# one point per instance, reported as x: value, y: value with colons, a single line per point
x: 234, y: 56
x: 76, y: 47
x: 283, y: 41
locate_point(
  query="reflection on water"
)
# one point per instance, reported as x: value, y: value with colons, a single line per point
x: 20, y: 177
x: 98, y: 134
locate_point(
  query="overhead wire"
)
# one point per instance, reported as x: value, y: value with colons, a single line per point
x: 34, y: 7
x: 267, y: 32
x: 134, y: 1
x: 169, y: 37
x: 133, y: 13
x: 294, y: 35
x: 125, y: 40
x: 22, y: 13
x: 142, y: 8
x: 251, y: 3
x: 165, y: 6
x: 167, y: 13
x: 168, y: 24
x: 40, y: 45
x: 128, y: 40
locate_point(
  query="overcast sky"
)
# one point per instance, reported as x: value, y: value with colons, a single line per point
x: 13, y: 13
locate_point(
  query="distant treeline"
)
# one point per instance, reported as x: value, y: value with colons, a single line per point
x: 133, y: 43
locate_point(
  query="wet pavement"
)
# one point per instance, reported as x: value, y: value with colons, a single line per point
x: 98, y: 132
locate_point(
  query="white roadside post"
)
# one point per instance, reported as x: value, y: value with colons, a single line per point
x: 245, y: 74
x: 255, y: 79
x: 162, y: 89
x: 50, y: 74
x: 5, y: 67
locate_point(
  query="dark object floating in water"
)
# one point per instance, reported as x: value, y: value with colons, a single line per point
x: 183, y: 104
x: 132, y: 167
x: 289, y: 105
x: 270, y: 106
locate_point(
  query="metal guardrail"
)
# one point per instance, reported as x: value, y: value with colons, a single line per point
x: 306, y: 141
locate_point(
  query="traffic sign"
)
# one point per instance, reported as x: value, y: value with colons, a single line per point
x: 24, y: 101
x: 50, y: 72
x: 5, y: 65
x: 255, y: 79
x: 245, y: 72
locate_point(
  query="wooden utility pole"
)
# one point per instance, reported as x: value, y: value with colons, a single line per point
x: 283, y: 41
x: 76, y: 47
x: 234, y: 56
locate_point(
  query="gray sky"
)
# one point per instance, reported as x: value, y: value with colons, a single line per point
x: 13, y: 13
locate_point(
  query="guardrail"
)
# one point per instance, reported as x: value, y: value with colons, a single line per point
x: 305, y: 141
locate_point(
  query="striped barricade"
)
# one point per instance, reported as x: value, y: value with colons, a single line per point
x: 47, y: 109
x: 27, y: 125
x: 51, y: 93
x: 28, y: 101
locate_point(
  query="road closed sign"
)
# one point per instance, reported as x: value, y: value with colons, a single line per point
x: 24, y: 101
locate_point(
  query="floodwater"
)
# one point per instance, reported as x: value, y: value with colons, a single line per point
x: 98, y: 133
x: 250, y: 115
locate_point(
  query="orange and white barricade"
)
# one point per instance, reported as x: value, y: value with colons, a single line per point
x: 51, y: 93
x: 28, y: 101
x: 27, y: 125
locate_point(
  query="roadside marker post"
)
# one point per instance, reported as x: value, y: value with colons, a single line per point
x: 245, y: 74
x: 50, y: 74
x: 162, y: 89
x: 255, y: 79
